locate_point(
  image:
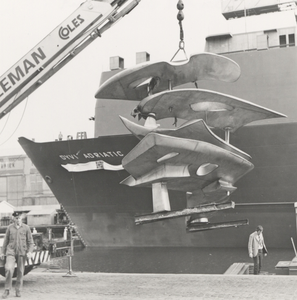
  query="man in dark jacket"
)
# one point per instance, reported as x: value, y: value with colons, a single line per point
x: 17, y: 246
x: 257, y: 248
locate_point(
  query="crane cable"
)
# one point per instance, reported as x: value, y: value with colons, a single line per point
x: 5, y: 123
x: 17, y: 125
x: 180, y: 17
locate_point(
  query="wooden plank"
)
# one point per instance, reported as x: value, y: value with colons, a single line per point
x: 245, y: 270
x: 292, y: 271
x: 283, y: 264
x: 237, y: 269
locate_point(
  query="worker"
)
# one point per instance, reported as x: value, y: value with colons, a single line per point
x: 256, y: 248
x: 17, y: 247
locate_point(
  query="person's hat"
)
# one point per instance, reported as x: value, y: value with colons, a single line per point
x: 16, y: 214
x: 259, y: 228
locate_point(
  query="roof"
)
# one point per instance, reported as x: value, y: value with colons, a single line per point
x: 45, y: 211
x: 37, y: 207
x: 6, y: 207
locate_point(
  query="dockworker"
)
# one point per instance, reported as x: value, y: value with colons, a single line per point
x: 17, y: 247
x: 257, y: 248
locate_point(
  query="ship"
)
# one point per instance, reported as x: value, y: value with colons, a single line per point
x: 262, y: 43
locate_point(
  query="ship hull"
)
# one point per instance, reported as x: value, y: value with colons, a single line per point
x: 104, y: 210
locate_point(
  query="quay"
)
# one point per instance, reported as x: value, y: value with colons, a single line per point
x: 44, y: 284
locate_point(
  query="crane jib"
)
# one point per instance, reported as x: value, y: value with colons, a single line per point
x: 52, y: 49
x: 68, y: 39
x: 26, y: 67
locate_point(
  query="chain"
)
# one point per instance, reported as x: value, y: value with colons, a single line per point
x: 180, y: 17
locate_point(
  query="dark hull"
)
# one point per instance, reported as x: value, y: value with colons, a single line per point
x: 104, y: 210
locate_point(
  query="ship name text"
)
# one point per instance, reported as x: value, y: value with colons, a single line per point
x: 93, y: 155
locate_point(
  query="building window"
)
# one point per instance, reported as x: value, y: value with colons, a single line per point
x: 3, y: 188
x: 36, y: 183
x: 291, y: 39
x: 282, y: 41
x: 15, y: 188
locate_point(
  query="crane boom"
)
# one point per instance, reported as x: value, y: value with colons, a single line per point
x: 75, y: 33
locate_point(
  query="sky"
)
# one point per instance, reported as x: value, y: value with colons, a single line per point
x: 66, y: 101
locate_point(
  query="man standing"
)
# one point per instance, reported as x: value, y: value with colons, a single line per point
x: 17, y: 246
x: 257, y: 248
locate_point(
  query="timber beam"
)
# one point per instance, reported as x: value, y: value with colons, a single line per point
x: 163, y: 215
x: 209, y: 226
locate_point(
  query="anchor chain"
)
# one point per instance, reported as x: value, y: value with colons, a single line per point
x: 180, y: 17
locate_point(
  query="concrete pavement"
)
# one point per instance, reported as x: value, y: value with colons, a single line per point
x: 43, y: 285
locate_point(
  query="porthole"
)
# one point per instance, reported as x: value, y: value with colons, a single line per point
x: 48, y: 179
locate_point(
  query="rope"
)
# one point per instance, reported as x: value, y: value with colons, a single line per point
x: 5, y: 123
x: 17, y: 125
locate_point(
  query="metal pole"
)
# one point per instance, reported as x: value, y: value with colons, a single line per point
x: 71, y: 253
x: 293, y: 246
x: 227, y: 135
x: 210, y: 226
x: 160, y: 216
x: 295, y: 207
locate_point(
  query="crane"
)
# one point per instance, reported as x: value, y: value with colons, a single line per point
x: 69, y: 38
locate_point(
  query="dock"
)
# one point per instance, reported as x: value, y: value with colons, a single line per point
x: 111, y: 286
